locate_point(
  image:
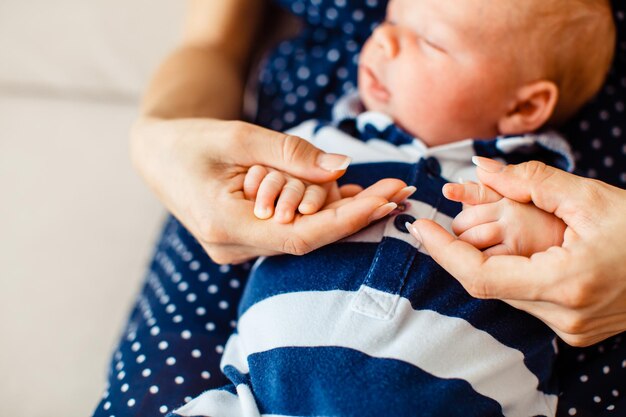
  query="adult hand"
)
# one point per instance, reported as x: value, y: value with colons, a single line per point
x: 579, y: 288
x: 197, y: 169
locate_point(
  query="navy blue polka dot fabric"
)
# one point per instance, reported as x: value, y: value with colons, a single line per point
x: 171, y: 347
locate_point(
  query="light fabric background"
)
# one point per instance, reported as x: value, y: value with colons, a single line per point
x: 76, y: 223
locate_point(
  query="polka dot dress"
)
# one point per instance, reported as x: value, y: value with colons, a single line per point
x: 171, y: 347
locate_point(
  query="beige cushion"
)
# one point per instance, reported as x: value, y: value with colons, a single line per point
x: 90, y: 47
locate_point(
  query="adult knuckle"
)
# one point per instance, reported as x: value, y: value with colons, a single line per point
x: 574, y: 325
x: 534, y: 170
x: 295, y: 246
x: 577, y: 295
x: 293, y: 149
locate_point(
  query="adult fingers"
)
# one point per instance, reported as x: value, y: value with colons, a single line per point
x: 512, y: 277
x: 349, y: 190
x: 246, y: 144
x: 470, y: 193
x: 386, y: 188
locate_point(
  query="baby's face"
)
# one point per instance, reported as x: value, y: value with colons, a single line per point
x: 440, y: 68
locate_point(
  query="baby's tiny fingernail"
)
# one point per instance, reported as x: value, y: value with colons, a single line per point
x: 382, y: 211
x: 487, y: 164
x: 263, y: 212
x: 333, y: 162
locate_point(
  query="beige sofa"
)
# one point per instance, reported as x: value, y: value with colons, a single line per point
x: 77, y: 225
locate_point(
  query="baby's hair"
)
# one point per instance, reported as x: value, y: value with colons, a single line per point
x: 575, y: 41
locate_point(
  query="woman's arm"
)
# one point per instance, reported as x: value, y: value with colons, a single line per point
x: 193, y: 153
x: 579, y: 288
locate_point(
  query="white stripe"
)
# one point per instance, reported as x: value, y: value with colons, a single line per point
x: 219, y: 403
x: 446, y: 347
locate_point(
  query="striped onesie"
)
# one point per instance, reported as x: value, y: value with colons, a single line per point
x: 371, y: 325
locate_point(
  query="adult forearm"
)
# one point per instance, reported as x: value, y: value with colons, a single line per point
x: 196, y: 81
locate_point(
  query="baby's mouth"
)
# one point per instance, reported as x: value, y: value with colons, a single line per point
x: 375, y: 88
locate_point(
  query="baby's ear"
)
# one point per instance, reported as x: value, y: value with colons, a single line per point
x: 533, y: 106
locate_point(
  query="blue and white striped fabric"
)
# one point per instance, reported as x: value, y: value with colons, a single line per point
x: 371, y: 325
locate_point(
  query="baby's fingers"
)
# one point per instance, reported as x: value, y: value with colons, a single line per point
x: 470, y: 193
x: 290, y: 197
x: 313, y: 199
x: 252, y: 181
x: 269, y: 190
x: 474, y: 216
x: 483, y: 236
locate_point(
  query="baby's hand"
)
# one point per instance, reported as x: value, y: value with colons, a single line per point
x: 502, y: 226
x: 281, y: 195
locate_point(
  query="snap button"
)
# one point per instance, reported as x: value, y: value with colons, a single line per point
x: 432, y: 166
x: 401, y: 219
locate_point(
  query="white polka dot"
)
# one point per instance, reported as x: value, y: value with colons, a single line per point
x: 302, y: 91
x: 164, y: 299
x: 223, y: 305
x: 340, y: 3
x: 163, y: 409
x: 187, y: 256
x: 124, y: 388
x: 205, y: 375
x: 141, y: 358
x: 146, y: 372
x: 200, y: 311
x: 131, y: 402
x: 619, y: 106
x: 224, y: 268
x: 298, y: 7
x: 597, y: 399
x: 608, y: 162
x: 342, y: 73
x: 321, y: 80
x: 604, y: 115
x: 333, y: 55
x: 372, y: 3
x: 303, y: 73
x: 616, y: 131
x: 624, y: 364
x: 185, y: 334
x: 135, y: 347
x: 358, y: 15
x: 610, y: 407
x: 212, y: 289
x: 210, y: 326
x: 131, y: 336
x: 187, y: 399
x: 596, y: 143
x: 106, y: 405
x: 584, y: 378
x: 571, y: 411
x: 219, y: 349
x: 176, y: 277
x: 177, y: 318
x: 170, y: 308
x: 291, y: 99
x: 233, y: 324
x: 615, y: 393
x: 191, y: 297
x: 196, y: 353
x: 155, y: 331
x: 119, y: 366
x: 203, y: 277
x: 234, y: 283
x: 170, y: 361
x: 179, y: 380
x: 151, y: 321
x: 606, y: 370
x: 584, y: 125
x: 163, y: 345
x: 580, y: 357
x: 194, y: 266
x: 183, y: 286
x: 154, y: 389
x: 332, y: 13
x: 309, y: 106
x: 121, y: 375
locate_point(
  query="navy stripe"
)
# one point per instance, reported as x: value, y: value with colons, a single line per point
x: 324, y: 381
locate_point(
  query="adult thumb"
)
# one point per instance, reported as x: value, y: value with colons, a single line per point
x: 548, y: 188
x: 289, y: 154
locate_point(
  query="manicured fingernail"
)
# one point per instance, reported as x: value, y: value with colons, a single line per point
x: 414, y: 232
x: 409, y: 190
x: 487, y: 164
x: 333, y: 162
x: 382, y: 211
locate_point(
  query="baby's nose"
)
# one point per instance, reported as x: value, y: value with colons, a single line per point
x: 386, y: 38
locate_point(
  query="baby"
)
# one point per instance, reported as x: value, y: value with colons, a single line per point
x: 371, y: 325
